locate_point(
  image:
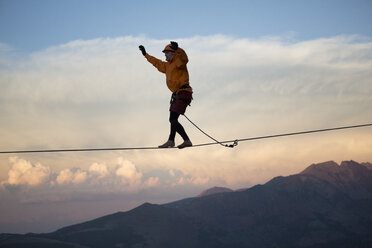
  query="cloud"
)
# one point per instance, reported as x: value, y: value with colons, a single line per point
x: 123, y: 176
x: 68, y: 176
x: 22, y: 172
x: 152, y: 182
x: 5, y: 55
x: 128, y: 173
x: 108, y: 95
x: 200, y: 180
x: 99, y: 170
x: 190, y: 180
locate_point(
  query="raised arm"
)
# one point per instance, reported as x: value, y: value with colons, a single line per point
x: 160, y: 65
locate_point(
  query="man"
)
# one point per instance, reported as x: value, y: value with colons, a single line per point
x: 177, y: 79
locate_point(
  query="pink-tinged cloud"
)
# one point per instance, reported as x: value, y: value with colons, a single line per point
x: 99, y: 170
x: 68, y: 176
x: 128, y: 173
x: 24, y: 172
x: 152, y: 182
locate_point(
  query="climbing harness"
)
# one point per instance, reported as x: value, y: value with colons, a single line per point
x: 175, y: 94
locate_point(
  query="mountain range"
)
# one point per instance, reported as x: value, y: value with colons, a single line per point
x: 326, y: 205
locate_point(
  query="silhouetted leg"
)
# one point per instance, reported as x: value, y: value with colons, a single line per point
x: 176, y: 127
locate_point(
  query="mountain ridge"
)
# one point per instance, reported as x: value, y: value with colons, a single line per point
x: 214, y: 190
x: 325, y: 205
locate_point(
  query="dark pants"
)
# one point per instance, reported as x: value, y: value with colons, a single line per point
x: 180, y: 101
x: 176, y: 127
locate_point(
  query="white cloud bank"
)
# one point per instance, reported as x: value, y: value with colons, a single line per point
x: 23, y: 172
x: 123, y: 177
x: 70, y: 176
x: 128, y: 173
x: 106, y: 84
x: 103, y: 93
x: 99, y: 170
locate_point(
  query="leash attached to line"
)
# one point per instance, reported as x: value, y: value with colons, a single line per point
x: 235, y: 142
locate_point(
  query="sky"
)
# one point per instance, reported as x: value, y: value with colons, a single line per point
x: 71, y: 76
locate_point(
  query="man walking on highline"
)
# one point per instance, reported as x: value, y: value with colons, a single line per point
x: 177, y: 79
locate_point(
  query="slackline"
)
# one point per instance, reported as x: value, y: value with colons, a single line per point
x: 235, y: 142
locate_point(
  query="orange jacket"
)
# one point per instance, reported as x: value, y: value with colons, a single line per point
x: 176, y: 73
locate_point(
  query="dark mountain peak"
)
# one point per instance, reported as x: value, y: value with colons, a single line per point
x: 214, y: 190
x: 350, y: 164
x: 348, y: 171
x: 352, y: 178
x: 329, y: 167
x: 354, y: 170
x: 367, y: 165
x: 146, y: 205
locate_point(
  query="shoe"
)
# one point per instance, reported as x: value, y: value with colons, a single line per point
x: 168, y: 144
x: 186, y: 143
